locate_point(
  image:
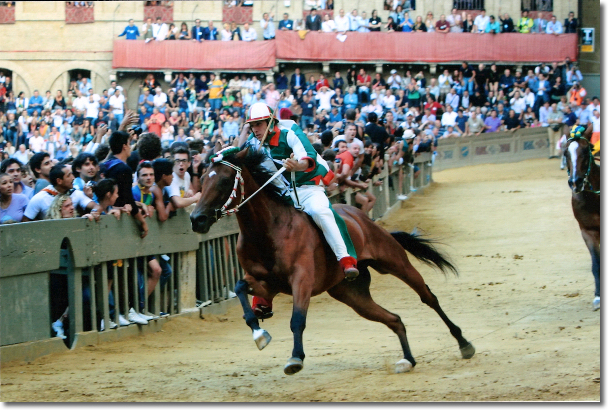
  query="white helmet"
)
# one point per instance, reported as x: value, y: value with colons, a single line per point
x: 259, y: 111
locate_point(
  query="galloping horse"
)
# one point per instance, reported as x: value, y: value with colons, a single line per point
x: 584, y: 180
x: 283, y: 251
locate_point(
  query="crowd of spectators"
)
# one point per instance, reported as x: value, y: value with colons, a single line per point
x: 399, y: 20
x: 207, y: 108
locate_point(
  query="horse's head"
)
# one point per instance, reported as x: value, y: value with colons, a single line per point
x: 578, y: 159
x: 219, y: 189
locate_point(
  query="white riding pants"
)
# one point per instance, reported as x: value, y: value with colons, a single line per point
x: 316, y: 204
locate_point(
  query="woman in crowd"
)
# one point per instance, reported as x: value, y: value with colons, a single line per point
x: 236, y: 32
x: 351, y: 78
x: 226, y: 33
x: 184, y: 33
x: 529, y: 118
x: 429, y: 22
x: 419, y: 25
x: 493, y: 78
x: 391, y: 26
x: 22, y: 103
x: 11, y: 205
x: 167, y: 134
x: 172, y: 33
x: 11, y: 103
x: 558, y: 89
x: 468, y: 25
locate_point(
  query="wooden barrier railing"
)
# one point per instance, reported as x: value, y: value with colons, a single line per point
x: 84, y: 255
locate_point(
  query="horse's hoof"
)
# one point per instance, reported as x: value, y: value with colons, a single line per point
x: 261, y: 338
x: 468, y: 351
x: 596, y: 303
x: 403, y: 366
x: 293, y: 366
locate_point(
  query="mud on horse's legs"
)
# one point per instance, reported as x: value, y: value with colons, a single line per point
x: 260, y: 336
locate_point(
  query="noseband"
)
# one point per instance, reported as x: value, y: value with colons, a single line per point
x: 238, y: 180
x: 591, y: 161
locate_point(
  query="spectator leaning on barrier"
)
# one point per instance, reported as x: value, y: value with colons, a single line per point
x: 198, y: 33
x: 313, y: 21
x: 540, y: 24
x: 286, y: 23
x: 554, y: 26
x: 181, y: 193
x: 62, y: 182
x: 131, y: 31
x: 481, y: 21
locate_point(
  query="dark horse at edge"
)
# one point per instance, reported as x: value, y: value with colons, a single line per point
x: 282, y: 251
x: 584, y: 180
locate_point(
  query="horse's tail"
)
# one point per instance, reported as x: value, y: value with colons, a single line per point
x: 424, y: 251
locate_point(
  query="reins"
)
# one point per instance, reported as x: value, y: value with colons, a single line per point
x: 591, y: 163
x: 238, y: 180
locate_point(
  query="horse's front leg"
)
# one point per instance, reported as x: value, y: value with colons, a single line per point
x: 260, y: 336
x: 302, y: 289
x: 592, y: 240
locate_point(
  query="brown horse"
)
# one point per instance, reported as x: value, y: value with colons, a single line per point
x: 283, y: 251
x: 584, y: 180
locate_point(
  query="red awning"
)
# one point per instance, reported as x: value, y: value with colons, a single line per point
x: 427, y: 47
x: 191, y: 55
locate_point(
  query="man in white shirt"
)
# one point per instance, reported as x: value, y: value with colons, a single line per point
x: 248, y: 33
x: 328, y: 25
x: 160, y: 99
x: 455, y: 21
x: 84, y: 86
x: 554, y: 26
x: 481, y: 21
x: 543, y: 114
x: 324, y: 96
x: 113, y: 88
x: 342, y: 22
x: 394, y: 81
x: 256, y: 84
x: 389, y: 101
x: 117, y: 104
x: 80, y: 103
x: 354, y: 20
x: 449, y: 117
x: 62, y: 179
x: 179, y: 190
x: 452, y: 99
x: 159, y: 30
x: 92, y: 110
x: 36, y: 142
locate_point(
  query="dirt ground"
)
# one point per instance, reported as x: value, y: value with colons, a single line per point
x: 523, y: 298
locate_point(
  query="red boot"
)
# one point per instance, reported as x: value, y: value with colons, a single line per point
x: 262, y: 307
x: 349, y: 266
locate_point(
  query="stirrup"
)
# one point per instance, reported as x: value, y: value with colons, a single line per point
x: 263, y: 312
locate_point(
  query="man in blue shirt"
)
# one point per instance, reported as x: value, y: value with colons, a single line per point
x: 130, y: 31
x: 286, y: 24
x: 267, y: 24
x: 35, y: 103
x: 210, y: 32
x: 198, y: 31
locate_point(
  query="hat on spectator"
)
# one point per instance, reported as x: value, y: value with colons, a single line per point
x: 285, y: 114
x: 409, y: 114
x: 393, y: 71
x: 408, y: 134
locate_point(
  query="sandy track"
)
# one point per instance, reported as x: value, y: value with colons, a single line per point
x: 523, y: 298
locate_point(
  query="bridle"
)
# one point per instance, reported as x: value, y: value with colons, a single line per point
x: 238, y: 181
x: 591, y: 161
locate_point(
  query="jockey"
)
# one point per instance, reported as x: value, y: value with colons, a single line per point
x: 288, y: 146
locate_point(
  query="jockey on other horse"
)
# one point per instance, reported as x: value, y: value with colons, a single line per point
x: 287, y: 145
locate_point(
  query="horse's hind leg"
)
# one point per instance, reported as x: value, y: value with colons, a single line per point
x: 356, y: 295
x: 260, y: 336
x: 592, y: 240
x: 403, y: 269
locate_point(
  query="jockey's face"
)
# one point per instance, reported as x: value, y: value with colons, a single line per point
x: 258, y: 128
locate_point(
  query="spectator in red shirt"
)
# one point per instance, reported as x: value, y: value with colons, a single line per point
x: 432, y: 104
x: 322, y: 82
x: 364, y: 81
x: 442, y: 26
x: 157, y: 119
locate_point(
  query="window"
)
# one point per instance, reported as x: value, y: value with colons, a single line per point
x: 233, y: 12
x: 537, y: 5
x: 78, y: 12
x: 469, y: 4
x: 7, y: 12
x: 76, y: 82
x: 162, y: 9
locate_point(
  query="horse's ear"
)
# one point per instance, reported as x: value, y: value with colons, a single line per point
x: 218, y: 147
x: 242, y: 153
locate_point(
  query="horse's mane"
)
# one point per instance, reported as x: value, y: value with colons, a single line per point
x: 253, y: 162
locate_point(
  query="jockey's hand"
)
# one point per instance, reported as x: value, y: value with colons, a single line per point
x: 291, y: 164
